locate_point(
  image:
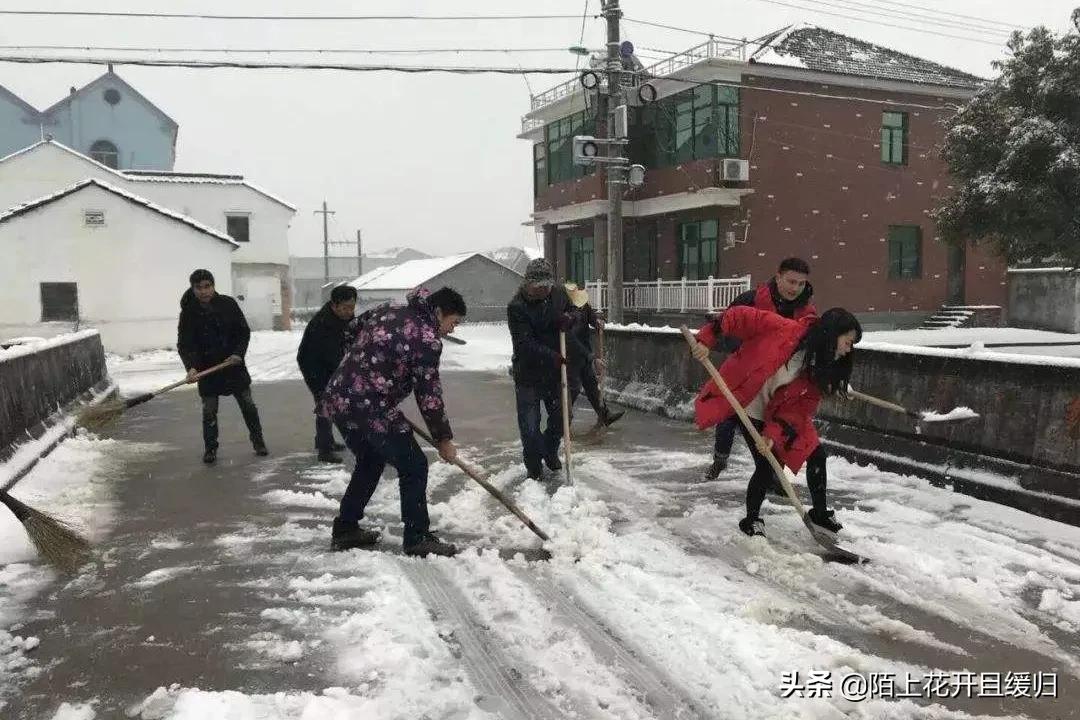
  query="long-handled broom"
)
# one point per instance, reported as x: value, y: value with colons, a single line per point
x: 55, y: 541
x: 98, y: 417
x: 565, y: 408
x: 926, y: 416
x: 495, y: 492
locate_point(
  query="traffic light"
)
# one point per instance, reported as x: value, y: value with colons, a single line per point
x: 586, y: 150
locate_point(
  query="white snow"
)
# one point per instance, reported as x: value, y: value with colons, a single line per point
x: 960, y: 413
x: 75, y: 712
x: 967, y: 336
x: 409, y: 274
x: 163, y: 575
x: 977, y: 351
x: 488, y: 348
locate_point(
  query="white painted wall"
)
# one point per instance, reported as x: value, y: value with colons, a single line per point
x: 49, y: 168
x: 130, y: 273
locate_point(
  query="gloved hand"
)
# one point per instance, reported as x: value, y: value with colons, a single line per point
x: 560, y: 360
x: 564, y: 322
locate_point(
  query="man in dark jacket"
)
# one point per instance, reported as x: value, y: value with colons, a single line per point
x: 213, y: 329
x: 326, y: 339
x: 788, y: 295
x: 397, y: 352
x: 535, y: 315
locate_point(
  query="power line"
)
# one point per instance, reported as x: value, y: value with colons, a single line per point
x: 880, y: 23
x: 313, y: 50
x: 650, y: 23
x: 581, y: 40
x: 204, y: 16
x: 877, y: 11
x: 215, y: 64
x: 959, y: 15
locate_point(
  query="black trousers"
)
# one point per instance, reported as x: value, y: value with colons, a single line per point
x: 247, y: 409
x: 764, y: 477
x: 588, y: 382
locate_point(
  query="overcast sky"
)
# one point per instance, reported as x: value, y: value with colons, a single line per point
x: 428, y: 161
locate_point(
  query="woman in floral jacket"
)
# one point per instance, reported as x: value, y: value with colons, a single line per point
x: 396, y: 352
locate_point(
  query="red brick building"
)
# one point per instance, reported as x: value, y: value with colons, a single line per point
x: 840, y: 137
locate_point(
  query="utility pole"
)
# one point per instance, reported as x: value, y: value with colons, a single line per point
x: 325, y: 241
x: 359, y: 253
x: 615, y: 173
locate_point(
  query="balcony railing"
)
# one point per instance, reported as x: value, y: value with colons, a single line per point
x: 672, y: 295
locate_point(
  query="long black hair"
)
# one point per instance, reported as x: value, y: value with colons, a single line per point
x: 830, y: 374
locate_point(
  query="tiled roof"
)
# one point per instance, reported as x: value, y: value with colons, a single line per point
x: 815, y: 48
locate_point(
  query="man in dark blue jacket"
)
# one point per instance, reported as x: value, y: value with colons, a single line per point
x: 325, y: 342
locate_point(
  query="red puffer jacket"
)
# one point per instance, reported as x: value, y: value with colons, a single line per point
x: 768, y: 340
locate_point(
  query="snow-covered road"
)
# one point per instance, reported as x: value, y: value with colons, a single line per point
x: 653, y: 605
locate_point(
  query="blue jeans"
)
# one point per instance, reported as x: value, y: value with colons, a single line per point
x: 537, y: 445
x: 373, y: 453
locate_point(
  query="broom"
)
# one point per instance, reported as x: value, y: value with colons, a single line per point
x: 55, y: 541
x: 97, y: 417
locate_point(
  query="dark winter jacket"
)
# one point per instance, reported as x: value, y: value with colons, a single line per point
x: 326, y: 339
x: 397, y: 352
x: 767, y: 297
x: 767, y: 342
x: 207, y: 335
x: 534, y: 333
x: 583, y: 321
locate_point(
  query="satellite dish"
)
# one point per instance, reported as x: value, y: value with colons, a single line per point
x: 626, y: 49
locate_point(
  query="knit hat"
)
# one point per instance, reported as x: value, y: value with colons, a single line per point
x: 539, y: 272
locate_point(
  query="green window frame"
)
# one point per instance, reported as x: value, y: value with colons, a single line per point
x: 698, y: 246
x: 539, y: 167
x: 696, y: 124
x: 559, y: 144
x: 905, y: 252
x: 894, y: 138
x: 579, y: 260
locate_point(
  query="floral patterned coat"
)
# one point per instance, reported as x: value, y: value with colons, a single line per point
x: 396, y: 352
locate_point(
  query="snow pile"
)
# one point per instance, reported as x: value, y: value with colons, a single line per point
x: 960, y: 413
x: 75, y: 712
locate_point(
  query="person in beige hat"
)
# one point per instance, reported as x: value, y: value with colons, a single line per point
x: 584, y: 366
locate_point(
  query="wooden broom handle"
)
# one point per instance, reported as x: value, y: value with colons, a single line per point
x: 565, y: 405
x: 198, y: 376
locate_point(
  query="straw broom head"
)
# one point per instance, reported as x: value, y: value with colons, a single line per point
x: 98, y: 417
x: 56, y: 542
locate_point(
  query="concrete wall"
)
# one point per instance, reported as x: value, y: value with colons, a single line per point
x: 1045, y: 299
x: 144, y: 138
x: 130, y: 272
x: 1024, y: 406
x: 33, y: 384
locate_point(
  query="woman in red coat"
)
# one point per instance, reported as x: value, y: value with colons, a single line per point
x: 779, y: 374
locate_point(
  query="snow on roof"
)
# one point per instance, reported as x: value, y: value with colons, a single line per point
x: 139, y: 176
x: 83, y: 184
x: 816, y: 48
x: 408, y: 274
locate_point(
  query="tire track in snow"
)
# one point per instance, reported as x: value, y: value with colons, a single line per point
x: 506, y: 694
x: 661, y: 692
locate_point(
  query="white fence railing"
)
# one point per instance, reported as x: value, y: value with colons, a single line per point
x: 677, y: 295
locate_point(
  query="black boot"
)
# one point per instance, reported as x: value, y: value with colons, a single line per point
x: 610, y: 418
x: 430, y: 545
x: 329, y: 456
x: 346, y: 536
x: 752, y: 526
x: 260, y: 446
x: 719, y: 464
x: 553, y: 463
x: 825, y: 519
x: 210, y: 456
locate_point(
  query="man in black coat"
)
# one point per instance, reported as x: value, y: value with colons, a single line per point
x: 213, y: 329
x: 325, y: 342
x: 535, y: 316
x: 585, y: 369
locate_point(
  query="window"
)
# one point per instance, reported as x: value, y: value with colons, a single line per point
x: 639, y: 251
x: 696, y: 124
x: 105, y: 153
x: 237, y: 226
x: 894, y: 140
x: 59, y: 301
x: 905, y: 252
x: 579, y: 260
x: 697, y: 249
x: 559, y: 137
x: 539, y: 168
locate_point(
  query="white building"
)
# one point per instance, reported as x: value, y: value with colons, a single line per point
x: 256, y: 219
x: 486, y: 285
x: 97, y: 255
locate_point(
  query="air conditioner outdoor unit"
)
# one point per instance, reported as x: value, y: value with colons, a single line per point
x: 735, y: 170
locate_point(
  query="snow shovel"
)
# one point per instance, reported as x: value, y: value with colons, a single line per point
x: 926, y: 416
x: 495, y: 492
x: 565, y: 407
x: 98, y: 417
x: 823, y: 537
